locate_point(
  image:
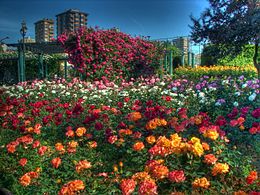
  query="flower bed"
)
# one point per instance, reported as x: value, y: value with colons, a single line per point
x: 147, y: 136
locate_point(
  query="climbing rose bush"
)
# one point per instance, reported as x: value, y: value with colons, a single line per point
x: 106, y: 53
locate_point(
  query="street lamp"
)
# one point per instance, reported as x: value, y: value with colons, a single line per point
x: 22, y: 66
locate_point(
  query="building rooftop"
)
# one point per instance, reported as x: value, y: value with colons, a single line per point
x: 45, y: 19
x: 73, y: 11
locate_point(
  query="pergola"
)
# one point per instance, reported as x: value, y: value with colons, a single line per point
x: 40, y: 49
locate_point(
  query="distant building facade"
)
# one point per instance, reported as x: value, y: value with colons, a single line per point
x: 183, y: 44
x: 70, y: 21
x: 44, y: 30
x: 27, y: 40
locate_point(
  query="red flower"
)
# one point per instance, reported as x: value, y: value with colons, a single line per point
x: 42, y: 150
x: 221, y: 121
x: 112, y: 139
x: 177, y: 176
x: 127, y: 186
x: 256, y: 113
x: 56, y: 162
x: 251, y: 177
x: 147, y: 187
x: 233, y: 123
x: 98, y: 126
x: 23, y: 162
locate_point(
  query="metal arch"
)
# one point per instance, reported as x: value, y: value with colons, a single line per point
x: 45, y: 47
x: 40, y: 49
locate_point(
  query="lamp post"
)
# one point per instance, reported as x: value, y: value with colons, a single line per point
x: 22, y: 61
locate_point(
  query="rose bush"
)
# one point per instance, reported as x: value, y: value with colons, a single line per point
x: 107, y: 53
x: 147, y: 135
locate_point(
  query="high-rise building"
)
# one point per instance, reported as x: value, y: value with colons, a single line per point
x: 44, y: 30
x: 183, y: 44
x: 70, y: 21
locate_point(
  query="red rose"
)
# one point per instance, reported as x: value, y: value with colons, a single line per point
x: 23, y: 162
x: 177, y: 176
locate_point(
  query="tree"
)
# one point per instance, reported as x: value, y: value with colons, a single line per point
x: 214, y: 55
x: 233, y: 23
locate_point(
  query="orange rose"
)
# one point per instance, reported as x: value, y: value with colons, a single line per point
x: 70, y: 133
x: 80, y: 131
x: 163, y: 122
x: 134, y: 116
x: 212, y: 134
x: 205, y: 146
x: 251, y: 177
x: 201, y: 183
x: 92, y: 144
x: 220, y: 168
x: 210, y: 159
x: 138, y: 146
x: 73, y: 144
x: 159, y: 171
x: 56, y: 162
x: 151, y: 125
x: 59, y: 147
x: 141, y: 176
x: 83, y: 164
x: 150, y: 139
x: 240, y: 193
x: 127, y: 186
x: 76, y: 185
x: 25, y: 180
x: 72, y: 187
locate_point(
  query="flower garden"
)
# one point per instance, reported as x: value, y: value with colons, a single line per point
x: 196, y: 132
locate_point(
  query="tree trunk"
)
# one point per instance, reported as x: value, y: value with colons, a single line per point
x: 256, y: 63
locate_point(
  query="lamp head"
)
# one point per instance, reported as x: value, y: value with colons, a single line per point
x: 23, y: 29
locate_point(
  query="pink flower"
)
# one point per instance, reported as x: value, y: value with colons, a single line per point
x: 42, y: 150
x: 147, y: 187
x: 127, y: 186
x: 176, y: 176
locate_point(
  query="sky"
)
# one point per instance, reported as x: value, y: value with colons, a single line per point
x: 154, y: 18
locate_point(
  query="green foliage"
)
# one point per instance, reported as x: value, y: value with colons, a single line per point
x: 233, y: 24
x: 218, y: 55
x: 9, y: 66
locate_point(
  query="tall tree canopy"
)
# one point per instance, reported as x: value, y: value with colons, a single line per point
x: 233, y: 23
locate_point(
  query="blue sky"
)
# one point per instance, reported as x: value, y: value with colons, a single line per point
x: 155, y: 18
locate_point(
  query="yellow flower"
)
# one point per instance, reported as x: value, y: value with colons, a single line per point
x: 58, y: 181
x: 212, y: 134
x: 150, y: 139
x: 220, y: 168
x: 80, y: 131
x: 121, y: 164
x: 201, y: 183
x: 115, y: 168
x: 197, y: 149
x: 195, y: 140
x: 163, y: 122
x: 72, y: 144
x: 163, y: 142
x: 141, y: 176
